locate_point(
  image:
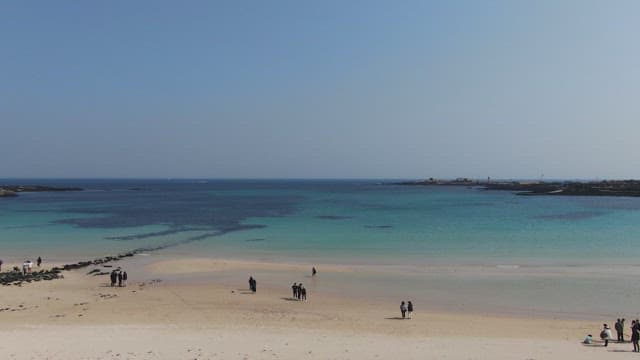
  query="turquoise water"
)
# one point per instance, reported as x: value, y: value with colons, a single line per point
x: 453, y: 248
x: 322, y: 221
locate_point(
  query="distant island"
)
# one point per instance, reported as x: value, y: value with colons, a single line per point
x: 13, y: 190
x: 554, y: 188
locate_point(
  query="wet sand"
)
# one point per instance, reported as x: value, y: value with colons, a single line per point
x: 197, y: 308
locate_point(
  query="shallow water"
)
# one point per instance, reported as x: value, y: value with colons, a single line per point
x: 356, y: 222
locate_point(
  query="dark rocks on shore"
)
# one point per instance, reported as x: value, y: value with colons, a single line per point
x: 17, y: 278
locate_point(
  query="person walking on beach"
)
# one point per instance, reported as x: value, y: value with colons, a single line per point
x: 313, y: 271
x: 635, y: 335
x: 299, y: 293
x: 252, y: 284
x: 303, y: 293
x: 606, y: 335
x: 124, y: 278
x: 120, y: 279
x: 39, y: 261
x: 618, y: 328
x: 294, y: 289
x: 409, y: 309
x: 403, y: 309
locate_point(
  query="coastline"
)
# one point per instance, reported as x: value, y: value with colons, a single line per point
x: 215, y: 316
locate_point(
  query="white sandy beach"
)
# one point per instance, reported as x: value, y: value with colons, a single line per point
x: 157, y: 317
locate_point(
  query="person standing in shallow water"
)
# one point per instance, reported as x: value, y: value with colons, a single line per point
x: 403, y: 309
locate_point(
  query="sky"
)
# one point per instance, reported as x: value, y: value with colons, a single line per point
x: 320, y: 89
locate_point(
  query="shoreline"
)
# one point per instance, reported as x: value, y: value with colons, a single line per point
x: 487, y: 290
x: 216, y: 316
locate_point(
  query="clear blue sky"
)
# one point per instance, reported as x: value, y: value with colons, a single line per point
x: 313, y: 89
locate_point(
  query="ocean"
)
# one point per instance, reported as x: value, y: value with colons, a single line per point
x: 451, y: 243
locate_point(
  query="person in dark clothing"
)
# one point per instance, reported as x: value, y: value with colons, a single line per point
x: 313, y: 271
x: 124, y: 278
x: 251, y: 283
x: 113, y: 278
x: 409, y: 309
x: 403, y: 309
x: 0, y: 265
x: 622, y: 329
x: 39, y: 261
x: 303, y: 293
x: 618, y: 328
x: 255, y: 286
x: 294, y: 289
x: 299, y: 293
x: 120, y: 279
x: 635, y: 335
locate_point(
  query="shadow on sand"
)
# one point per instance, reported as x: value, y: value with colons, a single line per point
x: 244, y: 291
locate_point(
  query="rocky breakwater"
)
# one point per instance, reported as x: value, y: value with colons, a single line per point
x: 16, y: 277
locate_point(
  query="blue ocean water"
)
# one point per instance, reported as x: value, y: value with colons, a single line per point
x: 341, y: 221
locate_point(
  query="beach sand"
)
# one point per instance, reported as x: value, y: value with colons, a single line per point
x: 198, y: 308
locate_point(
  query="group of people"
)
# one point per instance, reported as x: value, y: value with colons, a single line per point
x: 119, y: 277
x: 28, y: 265
x: 406, y: 309
x: 606, y: 334
x: 252, y: 284
x: 299, y: 292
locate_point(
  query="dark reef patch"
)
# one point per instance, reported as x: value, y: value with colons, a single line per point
x: 578, y: 215
x: 333, y: 217
x: 378, y: 226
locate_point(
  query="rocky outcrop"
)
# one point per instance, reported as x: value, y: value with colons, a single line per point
x: 13, y: 190
x: 554, y: 188
x: 16, y: 277
x: 7, y: 193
